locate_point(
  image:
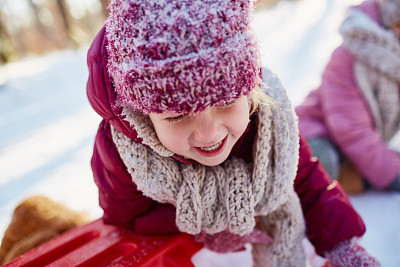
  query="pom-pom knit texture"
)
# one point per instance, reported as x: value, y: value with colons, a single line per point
x: 181, y: 56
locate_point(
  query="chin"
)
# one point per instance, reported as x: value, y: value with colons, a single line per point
x: 213, y: 162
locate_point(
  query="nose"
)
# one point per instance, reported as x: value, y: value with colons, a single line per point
x: 207, y: 127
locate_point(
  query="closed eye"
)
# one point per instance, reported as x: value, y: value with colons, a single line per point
x: 228, y: 104
x: 176, y: 118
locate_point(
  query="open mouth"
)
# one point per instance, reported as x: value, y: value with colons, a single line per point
x: 210, y: 148
x: 214, y: 150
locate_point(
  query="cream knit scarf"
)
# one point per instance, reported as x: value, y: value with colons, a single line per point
x: 231, y: 195
x: 377, y: 68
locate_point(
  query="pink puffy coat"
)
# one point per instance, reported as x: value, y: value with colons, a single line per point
x: 337, y: 110
x: 329, y: 216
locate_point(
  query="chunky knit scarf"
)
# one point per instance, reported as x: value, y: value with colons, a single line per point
x: 377, y: 68
x: 231, y: 195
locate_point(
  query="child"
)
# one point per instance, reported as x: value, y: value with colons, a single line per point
x: 355, y: 112
x: 190, y: 143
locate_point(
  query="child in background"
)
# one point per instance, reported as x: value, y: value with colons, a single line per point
x: 354, y: 114
x: 193, y: 140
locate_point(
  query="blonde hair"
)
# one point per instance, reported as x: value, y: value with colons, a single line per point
x: 258, y: 97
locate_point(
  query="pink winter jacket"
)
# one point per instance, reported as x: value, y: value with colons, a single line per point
x: 329, y: 215
x: 337, y: 110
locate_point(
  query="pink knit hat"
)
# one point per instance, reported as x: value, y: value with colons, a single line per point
x: 181, y: 55
x: 390, y: 11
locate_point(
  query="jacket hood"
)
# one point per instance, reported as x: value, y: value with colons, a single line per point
x: 100, y: 90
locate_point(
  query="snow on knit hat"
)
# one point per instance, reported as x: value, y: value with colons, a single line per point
x: 390, y: 11
x: 181, y: 55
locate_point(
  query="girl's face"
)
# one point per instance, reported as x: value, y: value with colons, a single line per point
x: 206, y: 137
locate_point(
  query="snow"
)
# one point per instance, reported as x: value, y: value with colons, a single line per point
x: 48, y: 127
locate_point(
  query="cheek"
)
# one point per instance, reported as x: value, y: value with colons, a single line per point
x: 239, y: 120
x: 172, y: 138
x: 242, y: 124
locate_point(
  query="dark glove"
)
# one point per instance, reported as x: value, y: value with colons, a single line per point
x: 395, y: 185
x: 226, y: 241
x: 349, y: 254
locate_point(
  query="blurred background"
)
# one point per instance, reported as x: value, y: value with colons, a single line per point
x: 47, y: 126
x: 39, y: 26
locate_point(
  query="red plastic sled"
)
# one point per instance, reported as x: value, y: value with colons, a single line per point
x: 97, y: 244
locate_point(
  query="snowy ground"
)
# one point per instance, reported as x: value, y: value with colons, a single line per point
x: 47, y: 126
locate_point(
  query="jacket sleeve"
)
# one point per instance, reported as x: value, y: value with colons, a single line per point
x: 119, y: 198
x: 350, y: 123
x: 328, y: 213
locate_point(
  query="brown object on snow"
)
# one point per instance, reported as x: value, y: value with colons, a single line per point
x: 36, y: 220
x: 349, y: 178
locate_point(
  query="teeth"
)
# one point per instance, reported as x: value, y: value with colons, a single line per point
x: 209, y: 148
